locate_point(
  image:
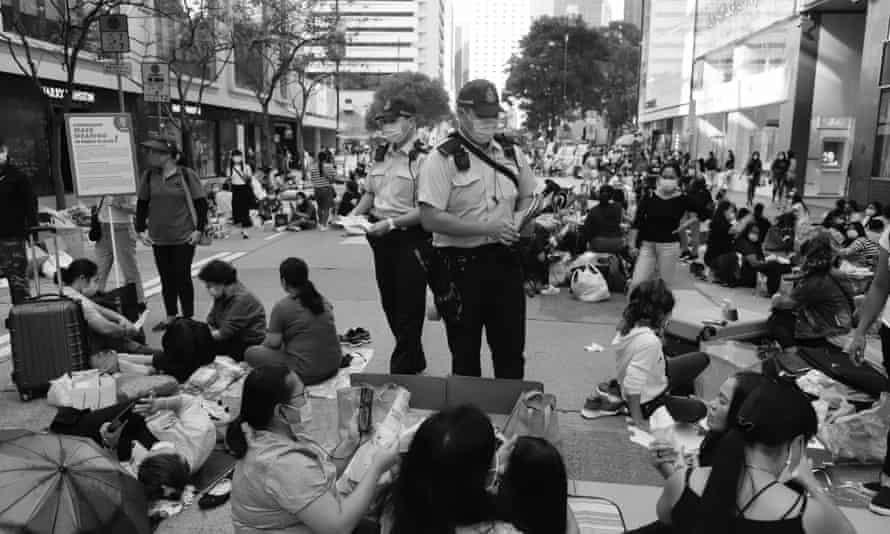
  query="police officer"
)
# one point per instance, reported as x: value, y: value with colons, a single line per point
x: 473, y: 191
x: 390, y: 198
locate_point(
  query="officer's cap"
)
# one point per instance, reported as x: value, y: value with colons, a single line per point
x: 482, y: 97
x: 394, y: 108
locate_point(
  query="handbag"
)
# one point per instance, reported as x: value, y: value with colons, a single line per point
x: 206, y: 238
x: 96, y: 226
x: 535, y: 415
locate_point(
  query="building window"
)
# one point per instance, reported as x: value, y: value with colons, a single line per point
x: 42, y: 20
x: 885, y: 65
x: 881, y: 161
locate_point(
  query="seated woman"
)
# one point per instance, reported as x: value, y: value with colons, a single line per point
x: 646, y: 379
x: 858, y: 249
x: 720, y: 252
x: 284, y: 481
x: 445, y: 481
x: 602, y: 226
x: 168, y: 438
x: 749, y: 247
x: 746, y: 490
x: 533, y: 487
x: 350, y: 199
x: 819, y: 306
x: 302, y: 335
x: 237, y: 319
x: 108, y: 329
x: 305, y: 215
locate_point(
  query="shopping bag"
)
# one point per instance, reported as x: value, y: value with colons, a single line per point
x: 534, y: 414
x: 861, y: 435
x: 588, y: 284
x: 83, y: 390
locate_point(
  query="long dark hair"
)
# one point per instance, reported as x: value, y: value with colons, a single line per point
x: 720, y: 213
x: 648, y: 305
x: 295, y: 274
x: 443, y: 477
x: 773, y: 415
x: 81, y: 267
x: 264, y: 388
x: 533, y: 493
x: 746, y: 382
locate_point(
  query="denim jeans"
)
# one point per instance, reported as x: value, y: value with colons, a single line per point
x: 656, y: 260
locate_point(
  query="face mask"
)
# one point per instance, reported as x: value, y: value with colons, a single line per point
x: 852, y: 235
x: 393, y: 132
x: 4, y: 156
x: 668, y: 185
x: 481, y: 130
x: 753, y: 238
x: 868, y: 211
x: 296, y: 417
x: 236, y: 159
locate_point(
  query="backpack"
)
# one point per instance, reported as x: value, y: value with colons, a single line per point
x: 187, y: 345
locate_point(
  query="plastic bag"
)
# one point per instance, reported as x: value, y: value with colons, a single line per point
x: 862, y: 435
x: 535, y: 415
x: 589, y: 285
x: 83, y: 390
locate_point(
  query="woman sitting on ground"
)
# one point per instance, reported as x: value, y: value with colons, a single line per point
x: 445, y: 483
x: 745, y: 490
x: 819, y: 306
x: 108, y: 329
x: 602, y: 227
x: 237, y: 319
x: 284, y: 481
x: 305, y: 215
x: 720, y: 251
x: 301, y: 335
x: 749, y: 247
x: 646, y: 379
x: 858, y: 248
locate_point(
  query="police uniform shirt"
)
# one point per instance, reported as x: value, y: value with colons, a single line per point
x: 393, y: 183
x: 479, y: 194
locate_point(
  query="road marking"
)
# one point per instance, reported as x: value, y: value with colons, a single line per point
x: 198, y: 264
x: 354, y: 240
x: 276, y: 235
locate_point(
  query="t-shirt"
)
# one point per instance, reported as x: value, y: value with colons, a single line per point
x: 311, y: 339
x: 169, y: 216
x: 658, y: 218
x: 277, y: 479
x: 189, y: 429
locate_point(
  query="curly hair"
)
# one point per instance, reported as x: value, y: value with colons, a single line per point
x: 648, y: 305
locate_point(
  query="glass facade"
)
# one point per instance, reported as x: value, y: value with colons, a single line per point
x: 881, y: 162
x: 721, y: 22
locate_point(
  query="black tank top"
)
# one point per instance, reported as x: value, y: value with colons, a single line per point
x: 685, y: 514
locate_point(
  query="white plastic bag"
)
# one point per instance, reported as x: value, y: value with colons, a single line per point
x: 589, y: 285
x: 49, y: 268
x: 84, y: 390
x: 861, y: 435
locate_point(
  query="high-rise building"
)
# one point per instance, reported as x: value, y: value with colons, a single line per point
x: 493, y: 30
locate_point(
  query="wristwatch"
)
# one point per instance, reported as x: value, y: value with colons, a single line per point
x: 392, y: 224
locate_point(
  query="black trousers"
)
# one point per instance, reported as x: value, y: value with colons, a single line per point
x: 885, y: 350
x: 174, y: 264
x: 402, y: 284
x: 86, y: 423
x: 489, y: 280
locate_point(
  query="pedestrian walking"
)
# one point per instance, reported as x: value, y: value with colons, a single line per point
x: 779, y: 170
x: 390, y: 198
x: 243, y: 199
x: 753, y: 169
x: 116, y: 216
x: 18, y: 213
x: 711, y: 168
x: 171, y: 214
x: 323, y: 186
x: 473, y: 192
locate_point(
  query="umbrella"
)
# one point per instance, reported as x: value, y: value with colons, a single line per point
x: 61, y: 484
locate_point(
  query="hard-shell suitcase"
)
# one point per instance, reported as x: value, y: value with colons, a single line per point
x: 697, y: 318
x: 48, y: 335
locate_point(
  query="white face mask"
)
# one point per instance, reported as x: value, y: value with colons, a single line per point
x: 668, y: 185
x: 236, y: 159
x: 296, y: 417
x: 480, y: 131
x: 753, y: 238
x: 4, y: 157
x: 394, y: 132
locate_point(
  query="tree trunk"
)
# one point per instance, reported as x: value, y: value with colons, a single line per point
x: 299, y: 139
x: 55, y: 156
x: 268, y: 145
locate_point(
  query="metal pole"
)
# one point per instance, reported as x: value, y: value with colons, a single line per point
x: 565, y: 67
x: 337, y: 79
x: 120, y: 85
x: 692, y: 120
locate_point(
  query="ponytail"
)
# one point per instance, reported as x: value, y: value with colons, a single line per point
x: 719, y: 509
x: 311, y: 299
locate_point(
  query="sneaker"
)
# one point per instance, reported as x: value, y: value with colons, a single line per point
x: 610, y: 390
x: 597, y: 406
x: 880, y: 504
x: 550, y: 291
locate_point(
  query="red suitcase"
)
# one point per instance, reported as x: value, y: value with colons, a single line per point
x: 48, y: 338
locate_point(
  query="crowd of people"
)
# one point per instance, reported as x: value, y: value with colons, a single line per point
x: 452, y: 218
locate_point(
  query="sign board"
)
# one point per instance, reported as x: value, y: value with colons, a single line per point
x: 121, y: 69
x: 114, y: 34
x: 156, y: 82
x: 102, y: 152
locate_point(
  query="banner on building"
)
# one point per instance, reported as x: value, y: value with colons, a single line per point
x: 102, y: 153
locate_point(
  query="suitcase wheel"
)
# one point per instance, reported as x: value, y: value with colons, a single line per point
x: 25, y: 396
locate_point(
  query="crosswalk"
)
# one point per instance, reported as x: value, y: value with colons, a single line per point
x: 151, y: 287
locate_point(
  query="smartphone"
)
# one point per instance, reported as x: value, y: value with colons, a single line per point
x: 366, y: 404
x: 119, y: 419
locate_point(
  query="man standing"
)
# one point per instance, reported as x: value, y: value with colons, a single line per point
x: 18, y: 212
x: 473, y: 191
x: 875, y: 305
x: 390, y: 197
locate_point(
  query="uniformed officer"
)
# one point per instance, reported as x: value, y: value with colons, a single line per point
x: 390, y: 199
x: 473, y: 191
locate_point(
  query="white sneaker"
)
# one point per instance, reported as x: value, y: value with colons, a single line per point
x: 550, y: 291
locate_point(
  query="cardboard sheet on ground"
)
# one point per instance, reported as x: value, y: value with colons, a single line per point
x: 328, y: 388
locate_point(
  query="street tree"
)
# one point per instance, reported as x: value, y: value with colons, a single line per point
x: 622, y: 76
x: 272, y: 37
x: 306, y: 84
x: 196, y: 42
x: 71, y: 27
x: 558, y: 71
x: 428, y: 96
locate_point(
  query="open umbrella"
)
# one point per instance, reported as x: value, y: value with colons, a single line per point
x: 61, y: 484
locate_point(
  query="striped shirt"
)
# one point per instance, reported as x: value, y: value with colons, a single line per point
x: 862, y: 252
x: 318, y: 180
